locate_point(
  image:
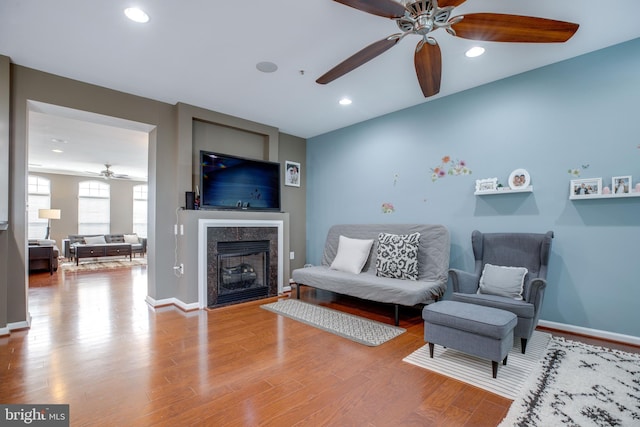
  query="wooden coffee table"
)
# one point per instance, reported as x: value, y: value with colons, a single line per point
x: 97, y: 251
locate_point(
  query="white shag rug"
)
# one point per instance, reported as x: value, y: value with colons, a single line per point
x: 355, y: 328
x: 102, y: 264
x: 580, y: 385
x: 477, y: 371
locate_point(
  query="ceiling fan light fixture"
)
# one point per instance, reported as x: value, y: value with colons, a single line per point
x: 136, y: 15
x: 474, y: 52
x: 345, y: 101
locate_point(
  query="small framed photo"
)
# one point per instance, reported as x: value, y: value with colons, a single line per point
x: 291, y: 173
x: 583, y: 187
x: 519, y: 179
x: 621, y: 184
x: 489, y: 184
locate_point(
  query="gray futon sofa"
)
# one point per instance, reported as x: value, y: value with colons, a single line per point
x: 433, y: 265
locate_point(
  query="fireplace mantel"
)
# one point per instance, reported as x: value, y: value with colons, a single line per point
x: 205, y: 223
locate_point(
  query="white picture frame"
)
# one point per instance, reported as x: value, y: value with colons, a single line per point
x: 487, y: 184
x: 621, y: 184
x: 519, y: 179
x: 585, y: 187
x: 292, y: 173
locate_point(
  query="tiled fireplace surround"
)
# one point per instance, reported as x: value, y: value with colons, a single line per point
x: 212, y: 231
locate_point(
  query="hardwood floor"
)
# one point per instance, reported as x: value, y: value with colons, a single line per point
x: 96, y: 345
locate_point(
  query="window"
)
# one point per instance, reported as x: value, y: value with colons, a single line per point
x: 39, y: 197
x: 140, y: 210
x: 93, y: 208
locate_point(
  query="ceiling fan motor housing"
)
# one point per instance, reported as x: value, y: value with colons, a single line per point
x: 423, y: 16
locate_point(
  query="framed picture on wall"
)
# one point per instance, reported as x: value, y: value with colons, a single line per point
x: 584, y: 187
x: 519, y: 179
x: 291, y: 173
x: 621, y: 184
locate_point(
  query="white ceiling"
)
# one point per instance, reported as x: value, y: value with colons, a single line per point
x: 87, y: 143
x: 204, y: 53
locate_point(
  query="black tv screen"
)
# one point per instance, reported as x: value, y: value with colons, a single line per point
x: 229, y: 182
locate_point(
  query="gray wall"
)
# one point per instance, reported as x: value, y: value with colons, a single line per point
x: 294, y: 198
x: 4, y: 184
x: 169, y: 175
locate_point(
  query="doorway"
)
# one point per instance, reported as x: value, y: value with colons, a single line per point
x: 68, y: 147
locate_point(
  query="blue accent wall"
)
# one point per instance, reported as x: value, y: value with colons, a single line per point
x: 582, y: 114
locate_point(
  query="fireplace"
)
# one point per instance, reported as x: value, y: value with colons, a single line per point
x: 241, y: 263
x: 242, y: 271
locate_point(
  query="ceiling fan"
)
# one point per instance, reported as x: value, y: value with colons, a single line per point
x: 421, y: 17
x: 108, y: 173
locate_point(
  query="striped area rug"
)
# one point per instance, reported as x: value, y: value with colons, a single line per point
x: 475, y: 371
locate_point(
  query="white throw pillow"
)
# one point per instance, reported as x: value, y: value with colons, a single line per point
x: 502, y: 281
x: 397, y: 256
x: 94, y: 240
x: 352, y: 255
x: 131, y: 238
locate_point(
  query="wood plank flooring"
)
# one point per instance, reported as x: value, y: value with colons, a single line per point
x: 96, y: 345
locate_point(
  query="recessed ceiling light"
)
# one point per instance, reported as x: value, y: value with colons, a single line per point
x: 345, y: 101
x: 474, y: 51
x: 136, y: 15
x: 58, y: 141
x: 55, y: 150
x: 266, y: 67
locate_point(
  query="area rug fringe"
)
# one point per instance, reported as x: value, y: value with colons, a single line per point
x: 477, y: 372
x: 355, y: 328
x: 101, y: 265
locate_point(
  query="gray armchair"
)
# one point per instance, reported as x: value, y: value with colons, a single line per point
x: 528, y: 250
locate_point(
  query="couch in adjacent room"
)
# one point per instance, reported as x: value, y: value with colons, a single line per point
x: 41, y: 257
x: 138, y: 244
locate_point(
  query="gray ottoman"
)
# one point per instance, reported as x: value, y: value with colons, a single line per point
x: 484, y: 332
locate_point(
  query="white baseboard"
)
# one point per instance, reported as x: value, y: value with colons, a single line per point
x: 596, y: 333
x: 178, y: 303
x: 14, y: 326
x: 172, y: 301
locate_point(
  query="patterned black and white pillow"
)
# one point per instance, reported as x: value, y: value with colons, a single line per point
x: 397, y: 256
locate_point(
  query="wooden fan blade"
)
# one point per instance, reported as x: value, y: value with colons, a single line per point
x: 498, y: 27
x: 354, y: 61
x: 454, y: 3
x: 428, y: 63
x: 385, y: 8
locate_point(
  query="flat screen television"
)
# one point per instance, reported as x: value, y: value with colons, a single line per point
x: 230, y: 182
